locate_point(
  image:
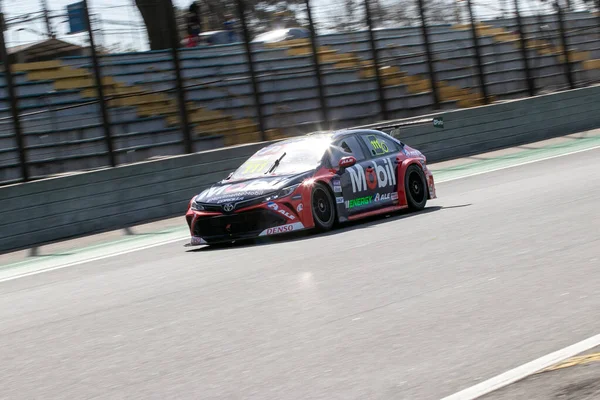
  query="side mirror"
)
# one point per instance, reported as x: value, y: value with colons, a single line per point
x: 346, y: 162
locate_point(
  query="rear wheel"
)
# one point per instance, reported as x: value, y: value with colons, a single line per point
x: 415, y: 186
x: 323, y: 208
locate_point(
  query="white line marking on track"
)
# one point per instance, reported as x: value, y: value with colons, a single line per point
x: 516, y: 165
x: 179, y: 239
x: 75, y: 263
x: 524, y: 370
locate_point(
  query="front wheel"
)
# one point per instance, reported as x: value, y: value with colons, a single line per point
x: 415, y: 187
x: 323, y: 208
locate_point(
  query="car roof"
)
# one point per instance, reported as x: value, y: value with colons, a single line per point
x: 344, y: 132
x: 331, y: 135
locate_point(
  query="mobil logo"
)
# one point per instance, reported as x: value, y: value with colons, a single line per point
x: 373, y: 175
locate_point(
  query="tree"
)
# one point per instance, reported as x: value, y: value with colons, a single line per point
x: 262, y: 15
x: 153, y: 12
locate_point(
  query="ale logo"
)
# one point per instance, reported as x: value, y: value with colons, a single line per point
x: 382, y: 197
x: 379, y: 146
x: 373, y: 177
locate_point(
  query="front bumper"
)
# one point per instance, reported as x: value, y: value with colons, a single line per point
x: 266, y: 220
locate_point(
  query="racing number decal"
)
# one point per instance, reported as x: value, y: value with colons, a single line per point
x: 378, y: 146
x: 255, y: 166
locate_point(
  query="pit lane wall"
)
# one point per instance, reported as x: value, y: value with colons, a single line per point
x: 58, y: 208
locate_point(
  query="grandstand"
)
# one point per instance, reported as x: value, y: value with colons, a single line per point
x: 63, y: 129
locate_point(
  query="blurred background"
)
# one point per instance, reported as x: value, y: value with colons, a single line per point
x: 100, y: 83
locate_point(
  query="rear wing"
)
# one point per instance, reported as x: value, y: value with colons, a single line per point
x: 394, y: 128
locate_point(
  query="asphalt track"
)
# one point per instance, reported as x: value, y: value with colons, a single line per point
x: 502, y: 269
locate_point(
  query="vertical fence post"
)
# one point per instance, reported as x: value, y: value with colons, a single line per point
x: 14, y: 102
x: 598, y: 12
x: 250, y: 59
x: 564, y: 45
x: 100, y: 88
x: 317, y: 65
x: 478, y: 58
x: 376, y: 64
x: 429, y: 55
x: 524, y: 52
x: 179, y: 84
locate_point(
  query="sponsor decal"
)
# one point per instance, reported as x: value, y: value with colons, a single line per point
x: 339, y: 200
x: 361, y: 201
x: 256, y: 187
x: 378, y: 145
x: 197, y: 241
x: 300, y: 208
x: 282, y: 229
x: 287, y: 214
x: 412, y: 153
x: 273, y: 206
x: 297, y: 197
x: 337, y: 186
x: 438, y: 122
x: 376, y: 175
x: 229, y: 200
x: 382, y: 197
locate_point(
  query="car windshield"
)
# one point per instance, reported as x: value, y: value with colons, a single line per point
x: 295, y: 156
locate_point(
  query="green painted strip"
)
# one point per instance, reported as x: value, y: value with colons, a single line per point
x: 110, y: 243
x: 530, y: 155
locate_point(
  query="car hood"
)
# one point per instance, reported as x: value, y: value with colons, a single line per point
x: 242, y: 190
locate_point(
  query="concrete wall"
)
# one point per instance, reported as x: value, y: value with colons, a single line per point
x: 58, y: 208
x: 480, y: 129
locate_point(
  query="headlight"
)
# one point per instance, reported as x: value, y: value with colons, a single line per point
x: 285, y: 192
x: 197, y: 207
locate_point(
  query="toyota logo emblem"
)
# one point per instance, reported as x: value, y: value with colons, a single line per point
x: 228, y: 207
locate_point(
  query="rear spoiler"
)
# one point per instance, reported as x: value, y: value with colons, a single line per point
x: 393, y: 128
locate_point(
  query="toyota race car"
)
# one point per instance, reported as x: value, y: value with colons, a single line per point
x: 312, y: 181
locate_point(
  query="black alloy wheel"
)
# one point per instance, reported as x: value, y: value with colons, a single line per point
x: 323, y: 208
x: 416, y: 188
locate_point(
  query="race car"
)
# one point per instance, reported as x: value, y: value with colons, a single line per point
x: 312, y: 182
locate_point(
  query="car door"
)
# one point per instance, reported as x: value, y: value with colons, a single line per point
x: 357, y: 193
x: 381, y: 170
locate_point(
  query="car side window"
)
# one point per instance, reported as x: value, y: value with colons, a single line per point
x: 345, y: 147
x: 379, y: 145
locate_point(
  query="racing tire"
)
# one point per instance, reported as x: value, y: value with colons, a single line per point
x: 415, y: 186
x: 322, y: 207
